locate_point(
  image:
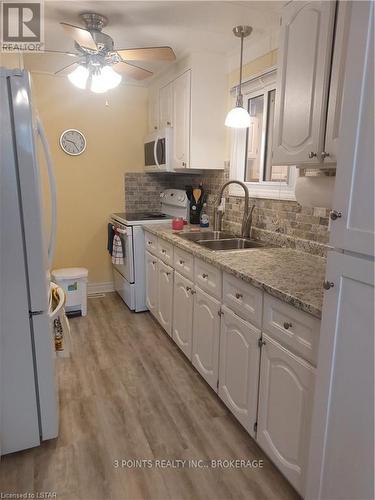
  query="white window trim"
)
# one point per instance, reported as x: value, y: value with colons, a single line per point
x: 279, y: 191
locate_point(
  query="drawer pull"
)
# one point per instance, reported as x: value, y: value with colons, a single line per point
x: 328, y: 284
x: 192, y: 291
x: 163, y: 251
x: 261, y: 342
x: 335, y: 214
x: 182, y: 262
x: 204, y: 275
x: 154, y: 261
x: 188, y: 288
x: 168, y: 273
x: 239, y: 295
x: 287, y: 325
x: 149, y: 243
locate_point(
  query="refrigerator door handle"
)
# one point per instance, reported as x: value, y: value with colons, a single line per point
x: 52, y: 185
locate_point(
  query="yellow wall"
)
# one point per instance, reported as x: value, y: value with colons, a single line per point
x: 90, y: 186
x: 253, y: 67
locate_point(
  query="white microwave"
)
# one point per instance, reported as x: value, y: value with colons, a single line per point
x: 157, y: 150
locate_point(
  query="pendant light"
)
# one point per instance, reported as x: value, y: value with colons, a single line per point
x: 238, y: 117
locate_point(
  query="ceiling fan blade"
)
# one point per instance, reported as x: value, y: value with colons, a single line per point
x: 61, y: 52
x: 132, y: 70
x: 147, y: 54
x: 70, y: 66
x: 80, y: 35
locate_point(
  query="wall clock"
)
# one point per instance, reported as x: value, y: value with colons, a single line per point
x: 73, y: 142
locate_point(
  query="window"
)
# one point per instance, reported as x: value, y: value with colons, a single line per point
x: 252, y: 155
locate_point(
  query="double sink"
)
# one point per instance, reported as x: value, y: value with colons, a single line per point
x: 221, y: 240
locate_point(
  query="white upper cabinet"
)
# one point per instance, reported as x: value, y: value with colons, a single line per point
x: 181, y: 121
x: 286, y: 393
x: 206, y: 337
x: 239, y: 368
x: 165, y: 106
x: 303, y: 82
x: 165, y: 296
x: 153, y: 110
x: 352, y: 225
x: 183, y: 313
x: 192, y: 99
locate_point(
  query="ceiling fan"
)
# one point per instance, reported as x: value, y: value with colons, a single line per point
x: 98, y: 64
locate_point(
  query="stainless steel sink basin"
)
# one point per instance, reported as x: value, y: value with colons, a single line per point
x: 232, y: 244
x: 205, y: 235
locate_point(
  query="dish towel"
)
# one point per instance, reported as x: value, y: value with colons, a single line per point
x: 111, y: 234
x: 117, y: 253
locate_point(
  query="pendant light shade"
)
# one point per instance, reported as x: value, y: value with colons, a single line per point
x: 238, y: 117
x: 79, y: 76
x: 98, y: 80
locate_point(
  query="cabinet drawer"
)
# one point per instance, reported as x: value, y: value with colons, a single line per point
x: 208, y: 278
x: 294, y: 329
x: 151, y: 243
x: 244, y: 299
x: 165, y: 252
x: 184, y: 263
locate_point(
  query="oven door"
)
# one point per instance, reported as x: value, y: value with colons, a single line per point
x: 126, y: 235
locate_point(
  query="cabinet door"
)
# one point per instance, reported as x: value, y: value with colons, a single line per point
x: 165, y: 106
x: 354, y: 185
x: 302, y: 82
x: 183, y: 314
x: 206, y: 336
x: 341, y: 461
x: 337, y: 80
x: 153, y: 110
x: 181, y: 120
x: 152, y: 283
x: 239, y: 368
x: 165, y: 296
x: 285, y: 406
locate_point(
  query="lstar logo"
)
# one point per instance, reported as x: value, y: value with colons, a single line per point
x: 22, y: 26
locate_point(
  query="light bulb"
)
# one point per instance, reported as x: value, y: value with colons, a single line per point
x: 105, y: 80
x: 79, y: 76
x: 237, y: 117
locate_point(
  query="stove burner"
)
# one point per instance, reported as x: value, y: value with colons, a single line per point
x: 134, y: 216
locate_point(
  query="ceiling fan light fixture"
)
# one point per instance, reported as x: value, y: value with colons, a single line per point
x: 105, y: 79
x: 239, y: 117
x: 79, y: 76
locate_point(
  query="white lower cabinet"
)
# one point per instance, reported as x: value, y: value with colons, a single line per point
x: 183, y: 314
x: 165, y: 296
x: 206, y: 337
x: 239, y: 368
x: 152, y: 279
x: 285, y: 407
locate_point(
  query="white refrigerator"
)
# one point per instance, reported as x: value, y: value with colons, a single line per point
x: 341, y: 462
x: 28, y: 386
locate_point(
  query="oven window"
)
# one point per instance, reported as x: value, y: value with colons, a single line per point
x: 149, y: 154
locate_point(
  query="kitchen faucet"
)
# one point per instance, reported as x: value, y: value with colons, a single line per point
x: 247, y: 216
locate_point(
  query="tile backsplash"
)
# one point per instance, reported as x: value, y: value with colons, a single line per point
x: 285, y: 223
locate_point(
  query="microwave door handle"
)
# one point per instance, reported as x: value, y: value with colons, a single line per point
x: 155, y: 152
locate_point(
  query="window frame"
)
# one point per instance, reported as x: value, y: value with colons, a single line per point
x: 259, y: 85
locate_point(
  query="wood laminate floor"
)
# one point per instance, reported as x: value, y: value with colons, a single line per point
x: 127, y: 393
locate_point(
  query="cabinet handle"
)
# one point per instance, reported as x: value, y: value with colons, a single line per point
x: 168, y: 123
x: 168, y: 273
x: 188, y: 288
x: 287, y: 325
x: 334, y: 214
x: 328, y: 284
x: 155, y: 127
x: 239, y: 295
x: 163, y: 251
x: 324, y: 155
x: 192, y: 291
x: 204, y: 275
x: 312, y: 155
x: 220, y: 312
x: 149, y: 243
x: 261, y: 342
x: 184, y: 164
x: 154, y: 261
x: 181, y: 262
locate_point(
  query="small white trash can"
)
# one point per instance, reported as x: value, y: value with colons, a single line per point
x: 73, y: 280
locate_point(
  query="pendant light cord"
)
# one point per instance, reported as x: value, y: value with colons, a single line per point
x: 239, y: 102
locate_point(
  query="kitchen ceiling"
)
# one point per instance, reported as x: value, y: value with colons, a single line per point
x: 185, y: 26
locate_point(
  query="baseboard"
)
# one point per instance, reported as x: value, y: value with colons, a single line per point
x: 103, y: 287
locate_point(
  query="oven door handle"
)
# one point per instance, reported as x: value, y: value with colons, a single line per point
x: 156, y: 152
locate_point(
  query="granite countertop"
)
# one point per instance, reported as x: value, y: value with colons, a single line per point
x: 292, y: 276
